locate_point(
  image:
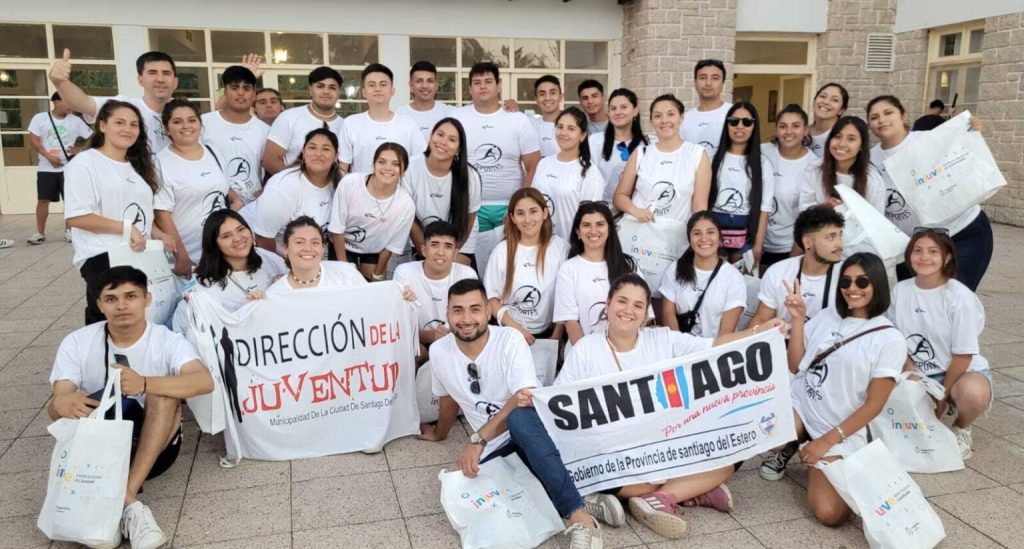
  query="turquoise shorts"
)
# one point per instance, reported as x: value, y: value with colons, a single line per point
x: 491, y: 217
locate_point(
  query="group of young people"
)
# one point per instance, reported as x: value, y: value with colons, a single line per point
x: 314, y: 200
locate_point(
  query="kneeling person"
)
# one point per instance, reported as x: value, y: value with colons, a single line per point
x: 159, y: 369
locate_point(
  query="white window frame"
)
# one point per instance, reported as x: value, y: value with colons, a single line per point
x: 961, y: 62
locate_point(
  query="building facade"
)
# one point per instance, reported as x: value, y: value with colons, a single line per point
x: 776, y: 51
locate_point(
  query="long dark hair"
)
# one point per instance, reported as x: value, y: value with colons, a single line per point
x: 685, y: 272
x: 752, y: 153
x: 458, y: 211
x: 845, y: 95
x: 874, y: 269
x: 580, y: 118
x: 513, y: 236
x: 334, y: 176
x: 619, y: 262
x: 138, y: 155
x: 213, y: 268
x: 859, y: 169
x: 636, y: 130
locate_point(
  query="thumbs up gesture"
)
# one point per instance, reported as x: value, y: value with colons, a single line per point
x: 60, y: 72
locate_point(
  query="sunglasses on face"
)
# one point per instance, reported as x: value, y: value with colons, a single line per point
x: 623, y: 151
x: 474, y: 376
x: 935, y: 230
x: 861, y: 281
x: 734, y: 121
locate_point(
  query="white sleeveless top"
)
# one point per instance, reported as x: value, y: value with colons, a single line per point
x: 665, y: 180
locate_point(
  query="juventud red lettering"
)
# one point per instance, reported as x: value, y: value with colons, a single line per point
x: 328, y: 386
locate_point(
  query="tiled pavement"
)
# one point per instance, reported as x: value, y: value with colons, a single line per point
x: 391, y: 499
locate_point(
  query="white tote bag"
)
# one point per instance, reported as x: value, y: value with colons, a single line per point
x: 163, y: 284
x: 545, y: 358
x: 504, y: 507
x: 908, y: 426
x: 896, y: 514
x: 868, y: 230
x: 88, y: 473
x: 428, y: 404
x: 753, y: 288
x: 946, y: 171
x: 655, y: 245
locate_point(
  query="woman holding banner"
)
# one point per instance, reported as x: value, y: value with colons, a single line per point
x: 303, y: 254
x: 971, y: 231
x: 846, y: 161
x: 628, y: 344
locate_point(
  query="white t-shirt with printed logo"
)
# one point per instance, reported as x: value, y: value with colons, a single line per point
x: 426, y: 120
x: 97, y: 184
x: 496, y: 143
x: 789, y: 177
x: 239, y: 148
x: 611, y: 169
x: 191, y: 190
x: 333, y: 274
x: 432, y: 294
x: 734, y: 186
x: 363, y: 135
x: 158, y: 353
x: 666, y: 180
x: 433, y: 196
x: 233, y: 294
x: 939, y: 323
x: 370, y: 225
x: 564, y: 186
x: 592, y: 357
x: 813, y: 192
x: 532, y: 301
x: 545, y: 136
x: 727, y: 291
x: 818, y: 144
x: 504, y: 367
x: 70, y: 128
x: 288, y: 195
x: 151, y: 120
x: 290, y: 129
x: 773, y: 292
x: 581, y: 292
x: 704, y: 127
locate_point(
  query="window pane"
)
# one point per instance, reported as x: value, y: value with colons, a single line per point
x: 23, y: 40
x: 768, y: 52
x: 17, y: 151
x: 537, y: 54
x: 347, y: 109
x: 572, y: 81
x: 181, y: 44
x: 971, y: 77
x: 476, y: 50
x: 84, y: 42
x: 439, y: 51
x: 446, y: 86
x: 219, y: 75
x: 293, y: 87
x: 297, y: 49
x: 15, y: 114
x: 949, y: 44
x: 23, y: 82
x: 524, y: 89
x: 99, y: 80
x: 944, y: 84
x: 977, y: 37
x: 353, y: 85
x: 193, y: 82
x: 586, y: 55
x: 230, y: 46
x: 352, y: 50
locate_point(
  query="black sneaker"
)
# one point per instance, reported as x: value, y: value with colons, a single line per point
x: 774, y: 466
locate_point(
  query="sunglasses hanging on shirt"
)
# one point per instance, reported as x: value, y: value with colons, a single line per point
x: 474, y: 378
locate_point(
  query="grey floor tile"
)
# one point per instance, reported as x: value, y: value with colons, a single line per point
x: 338, y: 465
x: 369, y: 497
x: 758, y: 501
x: 14, y: 422
x: 999, y: 460
x: 24, y: 397
x: 258, y: 511
x: 23, y: 493
x: 412, y: 452
x: 431, y: 532
x: 724, y: 540
x: 22, y: 533
x: 27, y: 454
x: 389, y: 533
x: 209, y: 476
x: 274, y: 541
x: 993, y: 512
x: 808, y: 532
x: 955, y: 482
x: 1002, y: 419
x: 419, y: 490
x: 959, y: 534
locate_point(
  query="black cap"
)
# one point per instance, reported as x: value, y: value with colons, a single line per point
x: 323, y: 73
x: 55, y: 97
x: 238, y: 73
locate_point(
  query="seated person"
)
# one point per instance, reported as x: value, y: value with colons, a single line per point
x: 159, y: 369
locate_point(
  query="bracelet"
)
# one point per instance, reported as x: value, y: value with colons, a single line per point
x: 842, y: 434
x: 754, y: 329
x: 377, y: 277
x: 144, y: 383
x: 501, y: 312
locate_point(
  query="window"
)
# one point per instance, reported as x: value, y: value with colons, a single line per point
x: 23, y: 93
x: 84, y: 42
x: 296, y: 49
x: 352, y: 50
x: 184, y: 45
x: 230, y: 46
x: 25, y: 41
x: 954, y: 65
x: 771, y: 52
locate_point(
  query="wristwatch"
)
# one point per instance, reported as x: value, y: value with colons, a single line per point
x: 475, y: 438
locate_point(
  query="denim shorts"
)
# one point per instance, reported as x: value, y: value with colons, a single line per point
x: 987, y: 373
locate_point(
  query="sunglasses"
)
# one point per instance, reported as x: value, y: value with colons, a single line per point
x: 935, y: 230
x: 474, y: 377
x: 861, y: 281
x: 623, y: 151
x: 733, y: 121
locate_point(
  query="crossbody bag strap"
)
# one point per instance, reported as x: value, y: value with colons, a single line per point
x: 214, y: 155
x: 56, y: 133
x: 700, y: 300
x: 828, y: 282
x: 835, y: 346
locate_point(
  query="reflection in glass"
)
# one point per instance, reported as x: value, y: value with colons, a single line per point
x: 349, y: 108
x: 949, y: 44
x: 586, y: 55
x: 193, y: 82
x: 22, y: 40
x: 230, y: 46
x: 353, y: 86
x: 297, y: 49
x: 976, y: 40
x: 23, y: 82
x: 17, y: 151
x: 770, y: 52
x: 84, y: 42
x: 446, y: 86
x: 352, y: 50
x: 294, y: 87
x: 181, y: 44
x: 476, y: 50
x: 537, y: 54
x: 15, y: 114
x: 98, y: 80
x: 572, y: 81
x: 439, y: 51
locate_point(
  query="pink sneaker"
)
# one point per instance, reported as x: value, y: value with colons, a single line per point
x: 720, y: 498
x: 659, y: 512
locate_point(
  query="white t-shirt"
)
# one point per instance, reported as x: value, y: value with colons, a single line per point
x: 432, y: 294
x: 151, y: 120
x: 432, y: 196
x: 363, y: 135
x: 504, y: 367
x: 939, y: 323
x: 97, y: 184
x: 704, y: 127
x: 789, y: 177
x: 813, y: 192
x: 191, y: 190
x: 596, y: 127
x: 288, y: 195
x: 896, y: 208
x: 564, y: 186
x: 818, y: 144
x: 591, y: 356
x: 827, y: 395
x: 496, y: 143
x: 773, y: 292
x: 665, y: 180
x: 611, y: 169
x: 158, y: 353
x: 581, y: 292
x: 426, y: 120
x: 70, y: 128
x: 371, y: 226
x: 333, y: 274
x: 545, y: 136
x: 727, y: 291
x: 532, y: 301
x: 734, y: 186
x: 290, y: 129
x: 239, y: 148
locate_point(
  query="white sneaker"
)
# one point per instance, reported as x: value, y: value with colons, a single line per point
x: 963, y: 441
x: 67, y: 235
x: 37, y: 238
x: 112, y: 545
x: 140, y: 527
x: 581, y: 537
x: 606, y: 508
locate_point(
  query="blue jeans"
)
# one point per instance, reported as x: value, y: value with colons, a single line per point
x: 533, y: 445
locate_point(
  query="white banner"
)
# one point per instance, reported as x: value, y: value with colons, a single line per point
x: 673, y: 418
x: 313, y: 372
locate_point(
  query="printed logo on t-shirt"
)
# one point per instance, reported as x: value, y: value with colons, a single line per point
x: 774, y: 212
x: 212, y: 202
x: 134, y: 214
x: 488, y: 408
x: 426, y: 221
x: 602, y: 313
x: 709, y: 146
x: 488, y: 156
x: 238, y: 170
x: 922, y: 353
x: 815, y: 378
x: 730, y: 200
x: 664, y: 195
x: 355, y: 234
x: 896, y: 206
x: 433, y: 324
x: 550, y: 205
x: 526, y: 299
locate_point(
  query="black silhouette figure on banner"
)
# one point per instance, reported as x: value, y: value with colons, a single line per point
x: 228, y: 374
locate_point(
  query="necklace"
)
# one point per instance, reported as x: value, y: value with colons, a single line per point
x: 305, y: 282
x: 381, y: 210
x: 327, y: 117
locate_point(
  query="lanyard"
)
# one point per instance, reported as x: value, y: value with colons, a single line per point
x: 828, y: 282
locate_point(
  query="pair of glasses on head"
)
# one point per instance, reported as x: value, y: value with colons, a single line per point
x: 861, y: 281
x: 474, y: 378
x: 735, y: 121
x: 934, y: 230
x: 623, y: 151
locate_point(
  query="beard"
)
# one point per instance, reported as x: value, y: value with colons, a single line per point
x: 824, y: 260
x: 471, y: 337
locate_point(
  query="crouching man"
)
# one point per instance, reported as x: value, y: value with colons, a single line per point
x: 159, y: 369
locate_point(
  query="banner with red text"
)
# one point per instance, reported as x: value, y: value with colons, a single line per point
x: 310, y: 373
x: 673, y: 418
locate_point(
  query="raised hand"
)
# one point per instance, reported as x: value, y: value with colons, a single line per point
x: 60, y: 71
x: 795, y: 301
x: 253, y: 62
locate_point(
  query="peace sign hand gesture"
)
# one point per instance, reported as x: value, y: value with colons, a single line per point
x: 795, y: 301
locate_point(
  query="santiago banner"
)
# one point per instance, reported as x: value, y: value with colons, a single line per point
x: 313, y: 373
x: 673, y: 418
